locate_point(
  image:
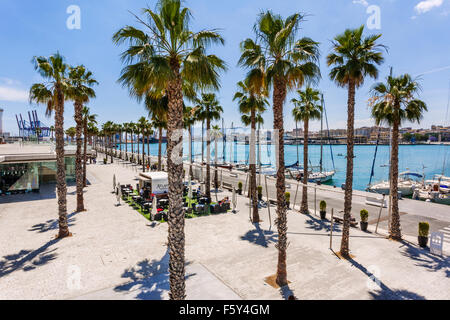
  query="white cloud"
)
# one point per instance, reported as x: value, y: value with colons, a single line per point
x: 13, y: 94
x: 9, y: 82
x: 362, y: 2
x: 427, y: 5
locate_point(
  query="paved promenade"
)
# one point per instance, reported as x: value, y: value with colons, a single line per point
x: 115, y: 253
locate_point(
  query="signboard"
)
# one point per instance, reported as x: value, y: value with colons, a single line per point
x: 436, y: 243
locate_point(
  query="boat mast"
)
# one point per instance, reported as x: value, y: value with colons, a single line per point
x: 321, y: 140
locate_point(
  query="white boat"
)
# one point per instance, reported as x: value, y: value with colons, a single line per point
x: 406, y: 184
x: 321, y: 177
x: 432, y: 196
x: 442, y: 181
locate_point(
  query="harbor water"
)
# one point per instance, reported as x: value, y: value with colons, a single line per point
x: 427, y: 159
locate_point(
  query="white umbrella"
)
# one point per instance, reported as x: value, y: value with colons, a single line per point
x: 154, y: 210
x: 234, y: 200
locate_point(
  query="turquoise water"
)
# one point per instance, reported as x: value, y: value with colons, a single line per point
x: 411, y: 157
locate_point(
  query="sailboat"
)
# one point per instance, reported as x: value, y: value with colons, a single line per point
x: 323, y: 176
x: 407, y: 181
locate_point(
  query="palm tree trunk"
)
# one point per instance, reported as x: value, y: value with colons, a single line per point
x: 253, y: 192
x: 143, y: 153
x: 304, y: 206
x: 85, y: 154
x: 78, y: 166
x: 208, y: 158
x: 279, y: 96
x: 60, y: 165
x: 345, y: 252
x: 159, y: 148
x: 191, y: 172
x: 111, y: 141
x: 175, y: 169
x: 395, y: 231
x: 148, y: 152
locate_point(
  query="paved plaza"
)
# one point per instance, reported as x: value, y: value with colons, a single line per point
x: 115, y: 253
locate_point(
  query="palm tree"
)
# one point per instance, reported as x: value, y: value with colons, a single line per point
x: 92, y: 131
x: 157, y: 104
x: 148, y: 131
x: 108, y: 129
x: 168, y: 53
x: 354, y: 57
x: 126, y: 129
x: 189, y: 119
x: 71, y: 132
x: 80, y: 91
x: 208, y: 109
x: 289, y: 63
x: 88, y: 118
x: 395, y: 102
x: 307, y: 108
x: 52, y: 94
x: 253, y: 103
x: 52, y: 130
x: 142, y: 125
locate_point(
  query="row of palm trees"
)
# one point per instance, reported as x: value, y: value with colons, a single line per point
x: 167, y: 63
x: 166, y: 58
x: 65, y: 83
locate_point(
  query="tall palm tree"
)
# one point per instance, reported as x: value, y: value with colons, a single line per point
x: 108, y: 129
x: 189, y: 119
x: 208, y: 109
x: 354, y: 58
x: 289, y: 63
x: 216, y: 134
x: 252, y: 102
x: 394, y: 102
x: 307, y: 107
x: 148, y: 131
x: 71, y: 133
x: 126, y: 129
x: 80, y: 91
x: 142, y: 124
x: 88, y: 118
x: 52, y: 130
x: 168, y: 53
x: 157, y: 104
x: 52, y: 94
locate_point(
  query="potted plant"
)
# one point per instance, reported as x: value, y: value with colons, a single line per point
x: 424, y: 228
x: 323, y: 209
x: 105, y: 160
x: 260, y: 192
x: 364, y: 218
x: 287, y: 196
x: 239, y: 188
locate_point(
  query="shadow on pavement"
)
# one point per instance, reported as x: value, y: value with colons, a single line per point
x: 149, y: 279
x: 27, y: 260
x: 260, y: 237
x: 384, y: 292
x: 426, y: 259
x: 52, y: 224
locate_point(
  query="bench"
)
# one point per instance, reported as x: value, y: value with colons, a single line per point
x: 372, y: 201
x: 340, y: 219
x: 233, y: 175
x: 227, y: 186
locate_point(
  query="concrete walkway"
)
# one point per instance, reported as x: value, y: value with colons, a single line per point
x: 115, y: 253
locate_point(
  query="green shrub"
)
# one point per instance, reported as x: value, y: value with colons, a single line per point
x: 364, y: 215
x: 260, y: 190
x: 239, y: 185
x: 287, y: 196
x: 424, y: 228
x: 323, y: 205
x: 105, y: 160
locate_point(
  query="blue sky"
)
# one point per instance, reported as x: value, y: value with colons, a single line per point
x: 416, y: 33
